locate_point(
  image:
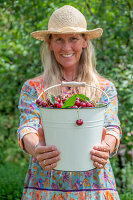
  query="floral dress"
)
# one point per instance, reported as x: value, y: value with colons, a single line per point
x: 61, y: 185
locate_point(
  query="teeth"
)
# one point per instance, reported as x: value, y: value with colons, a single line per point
x: 67, y: 56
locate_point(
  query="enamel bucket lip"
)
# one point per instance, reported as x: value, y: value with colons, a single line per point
x: 103, y: 105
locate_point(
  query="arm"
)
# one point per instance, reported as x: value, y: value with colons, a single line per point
x: 28, y: 133
x: 112, y: 133
x: 29, y: 143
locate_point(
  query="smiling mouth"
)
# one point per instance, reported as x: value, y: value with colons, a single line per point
x: 67, y: 55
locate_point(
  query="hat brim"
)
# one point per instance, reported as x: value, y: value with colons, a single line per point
x: 91, y: 34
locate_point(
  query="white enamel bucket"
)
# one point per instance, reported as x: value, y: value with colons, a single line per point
x: 75, y: 142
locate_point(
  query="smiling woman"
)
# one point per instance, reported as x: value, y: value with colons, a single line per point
x: 67, y: 54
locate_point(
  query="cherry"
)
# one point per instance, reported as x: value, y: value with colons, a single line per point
x: 38, y: 101
x: 83, y: 104
x: 44, y: 104
x: 59, y: 105
x: 88, y: 104
x: 55, y: 104
x: 40, y: 104
x: 77, y: 103
x: 74, y: 106
x: 63, y: 100
x: 77, y: 98
x: 59, y: 100
x: 79, y: 122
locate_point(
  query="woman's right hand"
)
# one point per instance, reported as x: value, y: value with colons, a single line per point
x: 47, y: 156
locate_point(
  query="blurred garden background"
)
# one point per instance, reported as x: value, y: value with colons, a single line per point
x: 20, y: 60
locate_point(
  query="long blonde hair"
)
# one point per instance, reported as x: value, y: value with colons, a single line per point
x: 53, y: 72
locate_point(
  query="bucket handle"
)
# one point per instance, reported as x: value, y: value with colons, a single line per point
x: 73, y: 83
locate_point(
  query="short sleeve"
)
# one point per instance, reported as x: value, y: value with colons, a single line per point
x: 29, y: 117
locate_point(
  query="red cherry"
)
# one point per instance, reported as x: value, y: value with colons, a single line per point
x: 59, y: 100
x: 44, y: 104
x: 88, y: 104
x: 59, y: 105
x: 83, y: 104
x: 55, y: 104
x: 38, y: 101
x: 63, y: 100
x: 40, y: 104
x: 79, y: 122
x: 77, y: 103
x: 93, y: 105
x: 75, y: 106
x: 77, y: 98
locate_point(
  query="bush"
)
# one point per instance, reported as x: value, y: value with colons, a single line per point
x: 126, y: 196
x: 12, y: 181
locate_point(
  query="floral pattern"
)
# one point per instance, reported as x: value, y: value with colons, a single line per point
x: 53, y: 184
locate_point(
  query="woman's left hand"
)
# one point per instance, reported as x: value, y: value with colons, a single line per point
x: 100, y: 154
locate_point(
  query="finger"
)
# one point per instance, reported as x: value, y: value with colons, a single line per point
x: 41, y: 136
x: 99, y: 160
x: 101, y: 147
x: 50, y: 161
x: 103, y: 133
x: 49, y: 167
x: 43, y: 149
x: 100, y: 154
x: 47, y: 155
x: 99, y: 166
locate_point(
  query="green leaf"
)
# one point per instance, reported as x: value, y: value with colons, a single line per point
x: 51, y: 97
x: 70, y: 102
x: 83, y: 97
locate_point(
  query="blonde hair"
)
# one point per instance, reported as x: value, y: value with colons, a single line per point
x: 53, y: 72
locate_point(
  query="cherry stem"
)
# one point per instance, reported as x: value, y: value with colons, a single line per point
x: 78, y: 113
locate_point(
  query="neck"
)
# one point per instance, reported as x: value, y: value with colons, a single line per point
x: 69, y: 80
x: 69, y: 76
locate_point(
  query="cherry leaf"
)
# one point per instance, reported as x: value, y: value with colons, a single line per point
x: 51, y: 98
x: 70, y: 102
x: 83, y: 97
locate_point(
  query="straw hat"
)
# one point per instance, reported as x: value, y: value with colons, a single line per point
x: 67, y: 20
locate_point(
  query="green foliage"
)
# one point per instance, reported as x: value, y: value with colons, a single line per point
x: 12, y: 180
x: 20, y: 60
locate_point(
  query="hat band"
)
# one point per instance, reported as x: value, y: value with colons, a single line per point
x: 68, y: 29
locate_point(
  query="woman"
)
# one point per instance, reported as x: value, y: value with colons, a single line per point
x: 67, y: 54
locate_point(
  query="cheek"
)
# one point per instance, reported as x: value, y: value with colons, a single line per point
x: 55, y: 49
x: 78, y: 48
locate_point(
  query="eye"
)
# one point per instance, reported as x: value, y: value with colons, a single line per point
x: 59, y: 39
x: 74, y: 39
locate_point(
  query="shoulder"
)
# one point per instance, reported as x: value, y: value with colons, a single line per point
x: 35, y: 82
x: 108, y: 86
x: 105, y: 83
x: 34, y: 85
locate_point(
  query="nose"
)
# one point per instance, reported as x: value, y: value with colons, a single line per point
x: 66, y: 46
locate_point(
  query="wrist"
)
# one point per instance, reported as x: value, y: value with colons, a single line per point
x: 111, y: 142
x: 108, y: 146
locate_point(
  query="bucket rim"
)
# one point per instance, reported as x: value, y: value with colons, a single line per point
x: 104, y: 105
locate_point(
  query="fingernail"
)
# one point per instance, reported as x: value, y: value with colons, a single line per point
x: 53, y: 148
x: 93, y: 151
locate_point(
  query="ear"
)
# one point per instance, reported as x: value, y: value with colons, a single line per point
x: 85, y: 41
x: 49, y: 44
